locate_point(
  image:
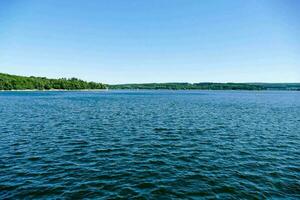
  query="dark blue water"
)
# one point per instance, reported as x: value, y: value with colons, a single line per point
x: 150, y: 145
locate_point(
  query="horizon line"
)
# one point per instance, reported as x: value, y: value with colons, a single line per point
x: 168, y: 82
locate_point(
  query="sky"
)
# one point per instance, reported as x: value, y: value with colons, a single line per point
x: 143, y: 41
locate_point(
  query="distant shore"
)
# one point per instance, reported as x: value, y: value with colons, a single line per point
x: 22, y: 83
x: 10, y: 82
x: 57, y: 90
x: 105, y: 90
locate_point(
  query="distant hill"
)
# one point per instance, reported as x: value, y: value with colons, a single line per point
x: 210, y: 86
x: 189, y: 86
x: 279, y: 86
x: 12, y: 82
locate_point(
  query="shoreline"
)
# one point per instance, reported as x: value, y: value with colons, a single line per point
x: 57, y: 90
x: 105, y: 90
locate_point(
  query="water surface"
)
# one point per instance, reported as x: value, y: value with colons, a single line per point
x: 150, y: 145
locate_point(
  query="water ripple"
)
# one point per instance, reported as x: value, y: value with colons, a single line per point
x: 150, y: 145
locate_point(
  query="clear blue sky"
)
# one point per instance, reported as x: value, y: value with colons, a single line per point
x: 132, y: 41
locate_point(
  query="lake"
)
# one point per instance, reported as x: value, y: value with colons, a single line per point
x: 150, y: 145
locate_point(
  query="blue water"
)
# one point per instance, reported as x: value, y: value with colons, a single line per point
x: 150, y: 145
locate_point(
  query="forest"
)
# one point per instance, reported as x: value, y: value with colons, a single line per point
x: 210, y: 86
x: 189, y: 86
x: 13, y: 82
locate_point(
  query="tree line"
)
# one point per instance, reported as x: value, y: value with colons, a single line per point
x: 189, y: 86
x: 13, y: 82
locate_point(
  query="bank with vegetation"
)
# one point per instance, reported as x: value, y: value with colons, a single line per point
x: 13, y: 82
x: 209, y: 86
x: 189, y: 86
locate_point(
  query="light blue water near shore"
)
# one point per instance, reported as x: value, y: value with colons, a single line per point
x: 150, y: 145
